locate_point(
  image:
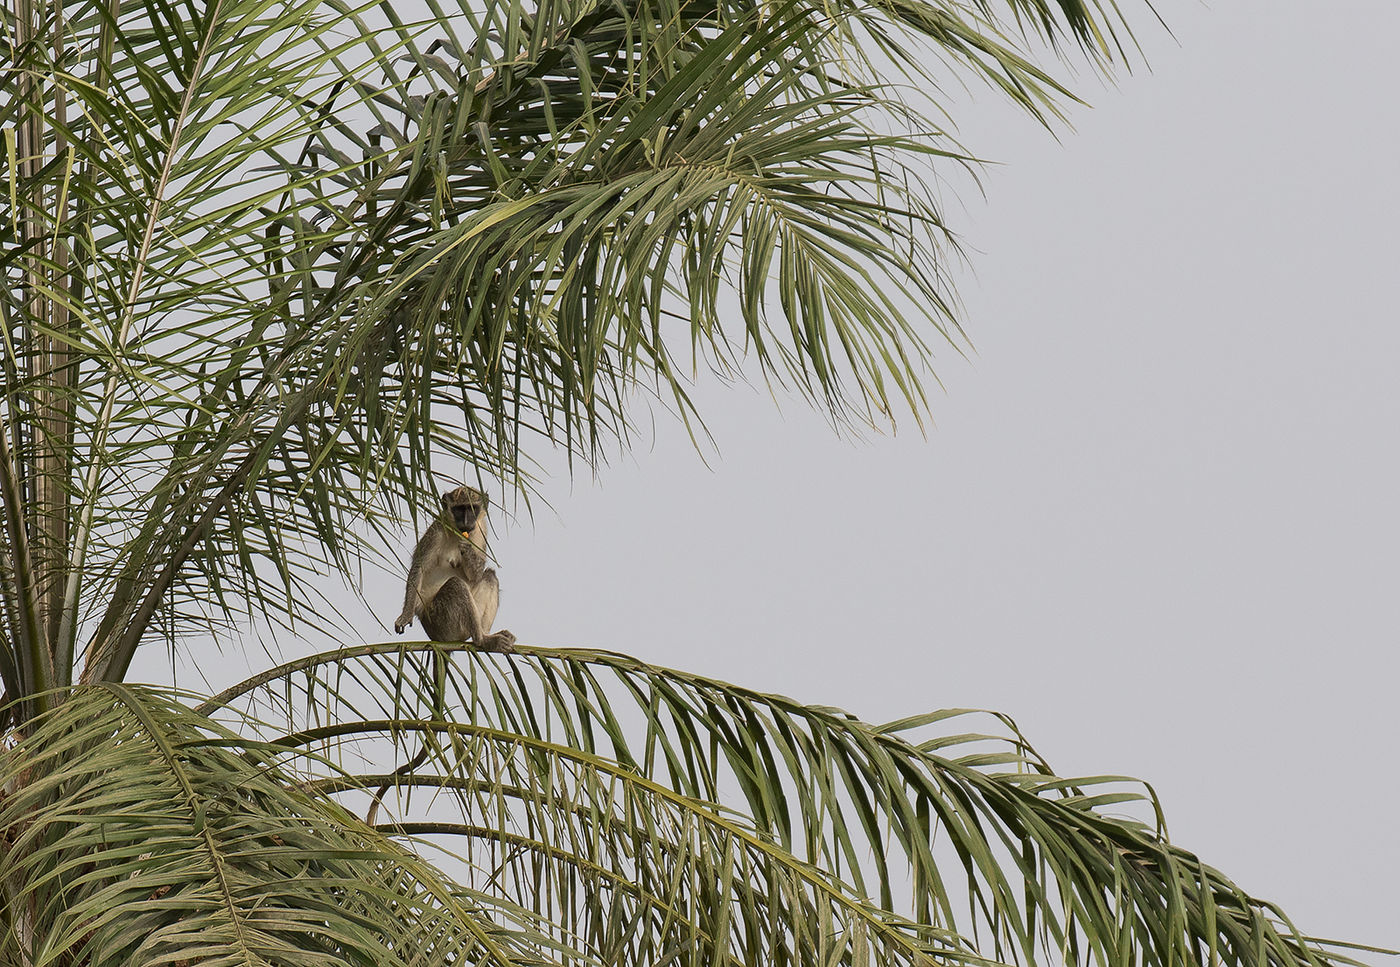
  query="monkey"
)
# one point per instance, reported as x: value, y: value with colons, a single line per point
x: 454, y: 593
x: 449, y: 586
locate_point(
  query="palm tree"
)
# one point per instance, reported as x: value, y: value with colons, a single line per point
x: 267, y: 266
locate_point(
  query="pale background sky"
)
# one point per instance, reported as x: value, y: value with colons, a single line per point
x: 1156, y: 520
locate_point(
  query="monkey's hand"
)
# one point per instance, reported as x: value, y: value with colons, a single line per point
x: 502, y: 642
x: 404, y: 620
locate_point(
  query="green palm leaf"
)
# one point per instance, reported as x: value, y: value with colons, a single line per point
x: 139, y: 833
x: 261, y: 300
x: 269, y: 270
x: 575, y: 774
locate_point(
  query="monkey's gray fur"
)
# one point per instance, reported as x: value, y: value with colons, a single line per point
x: 449, y: 587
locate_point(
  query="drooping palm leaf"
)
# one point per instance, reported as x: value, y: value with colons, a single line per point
x: 137, y: 833
x: 583, y: 785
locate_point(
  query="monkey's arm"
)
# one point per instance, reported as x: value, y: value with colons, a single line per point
x: 479, y: 626
x: 483, y: 598
x: 411, y: 586
x: 471, y: 566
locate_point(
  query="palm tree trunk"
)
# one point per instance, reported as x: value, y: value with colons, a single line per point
x: 56, y: 410
x: 42, y: 416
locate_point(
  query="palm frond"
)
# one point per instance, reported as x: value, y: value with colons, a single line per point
x: 136, y: 832
x: 555, y: 769
x: 252, y: 304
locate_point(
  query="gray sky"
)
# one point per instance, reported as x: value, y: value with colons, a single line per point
x: 1156, y: 520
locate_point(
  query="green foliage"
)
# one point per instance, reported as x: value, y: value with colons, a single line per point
x: 266, y: 267
x: 142, y: 834
x: 586, y: 783
x: 571, y: 798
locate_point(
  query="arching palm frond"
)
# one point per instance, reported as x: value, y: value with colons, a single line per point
x: 586, y: 787
x: 137, y: 833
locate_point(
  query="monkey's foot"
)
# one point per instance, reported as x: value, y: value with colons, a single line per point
x: 502, y: 642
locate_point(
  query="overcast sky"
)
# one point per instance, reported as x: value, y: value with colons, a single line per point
x: 1156, y: 520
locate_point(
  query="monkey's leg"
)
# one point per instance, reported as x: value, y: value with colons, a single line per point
x: 453, y: 615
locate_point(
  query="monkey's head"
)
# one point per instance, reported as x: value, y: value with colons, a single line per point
x: 463, y: 507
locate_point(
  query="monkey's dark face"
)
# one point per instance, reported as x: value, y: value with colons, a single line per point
x: 464, y: 507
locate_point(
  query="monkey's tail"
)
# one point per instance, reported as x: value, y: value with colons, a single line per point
x: 439, y: 703
x: 394, y: 777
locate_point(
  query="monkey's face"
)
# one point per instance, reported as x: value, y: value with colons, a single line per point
x: 464, y: 507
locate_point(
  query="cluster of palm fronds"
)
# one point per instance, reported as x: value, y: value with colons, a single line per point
x: 263, y: 264
x: 570, y: 800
